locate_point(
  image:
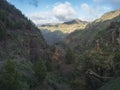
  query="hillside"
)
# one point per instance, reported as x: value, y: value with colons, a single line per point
x: 21, y: 45
x: 53, y: 38
x: 20, y: 33
x: 97, y: 51
x: 108, y: 16
x: 66, y: 27
x: 84, y: 38
x: 88, y: 59
x: 57, y: 33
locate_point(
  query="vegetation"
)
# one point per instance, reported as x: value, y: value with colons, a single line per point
x: 17, y: 72
x: 56, y: 33
x: 87, y: 60
x: 114, y: 84
x: 69, y: 56
x: 40, y: 70
x: 2, y: 33
x: 10, y: 77
x: 53, y: 37
x: 78, y: 85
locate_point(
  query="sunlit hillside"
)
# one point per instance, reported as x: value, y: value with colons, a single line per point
x: 66, y: 27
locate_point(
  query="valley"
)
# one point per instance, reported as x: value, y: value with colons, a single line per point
x: 57, y: 33
x: 73, y: 55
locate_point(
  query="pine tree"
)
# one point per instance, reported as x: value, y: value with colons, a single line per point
x: 40, y: 70
x: 69, y: 56
x: 10, y: 78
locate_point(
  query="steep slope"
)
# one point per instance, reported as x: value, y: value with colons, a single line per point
x: 19, y: 38
x: 97, y: 52
x: 23, y: 51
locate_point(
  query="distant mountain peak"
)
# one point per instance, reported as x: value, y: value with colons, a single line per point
x: 75, y: 21
x: 66, y: 27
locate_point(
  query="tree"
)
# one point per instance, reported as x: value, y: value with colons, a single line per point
x: 69, y: 56
x: 40, y: 70
x: 2, y: 33
x: 10, y: 78
x: 78, y: 84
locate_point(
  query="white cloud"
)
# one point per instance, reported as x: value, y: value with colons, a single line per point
x: 90, y: 12
x: 43, y: 18
x: 88, y: 8
x: 93, y: 12
x: 60, y: 12
x: 64, y: 11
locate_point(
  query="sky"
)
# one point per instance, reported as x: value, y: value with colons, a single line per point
x: 58, y: 11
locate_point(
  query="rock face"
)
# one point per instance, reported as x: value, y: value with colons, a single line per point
x: 19, y: 38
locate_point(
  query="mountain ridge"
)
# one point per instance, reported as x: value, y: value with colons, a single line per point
x: 66, y: 27
x: 93, y: 28
x: 61, y: 30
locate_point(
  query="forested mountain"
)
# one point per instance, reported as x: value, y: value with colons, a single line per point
x: 19, y: 38
x: 85, y: 59
x: 97, y: 49
x: 21, y: 45
x: 85, y: 37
